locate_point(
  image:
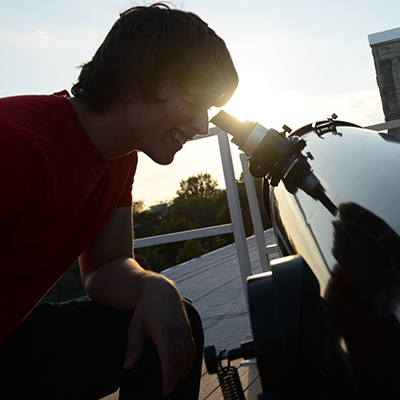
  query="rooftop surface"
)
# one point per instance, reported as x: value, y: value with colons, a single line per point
x: 214, y: 284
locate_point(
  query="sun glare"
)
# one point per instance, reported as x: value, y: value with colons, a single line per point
x: 271, y: 112
x: 296, y: 110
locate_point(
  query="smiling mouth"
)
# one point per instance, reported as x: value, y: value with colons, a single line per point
x: 179, y: 138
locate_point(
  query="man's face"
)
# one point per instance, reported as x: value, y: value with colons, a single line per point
x: 161, y: 128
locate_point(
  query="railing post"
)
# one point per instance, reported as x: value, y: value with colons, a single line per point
x: 255, y: 214
x: 235, y: 209
x: 263, y: 250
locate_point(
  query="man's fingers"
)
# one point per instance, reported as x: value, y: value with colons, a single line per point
x: 135, y: 346
x: 192, y: 354
x: 160, y: 315
x: 188, y: 350
x: 168, y: 369
x: 176, y: 355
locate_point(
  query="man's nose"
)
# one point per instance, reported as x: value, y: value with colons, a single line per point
x: 200, y: 123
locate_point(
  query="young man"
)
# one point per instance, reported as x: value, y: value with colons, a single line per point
x: 67, y: 167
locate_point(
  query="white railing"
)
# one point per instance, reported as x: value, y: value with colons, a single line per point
x: 185, y: 235
x: 264, y: 251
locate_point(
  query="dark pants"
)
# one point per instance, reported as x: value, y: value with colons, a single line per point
x: 76, y: 350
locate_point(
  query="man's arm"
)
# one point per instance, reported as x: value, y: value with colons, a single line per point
x: 113, y: 278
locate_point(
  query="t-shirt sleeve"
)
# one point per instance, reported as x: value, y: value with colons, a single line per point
x: 127, y: 198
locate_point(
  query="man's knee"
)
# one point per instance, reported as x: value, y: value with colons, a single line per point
x: 196, y: 324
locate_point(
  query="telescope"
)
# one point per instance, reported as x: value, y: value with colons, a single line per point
x: 325, y: 319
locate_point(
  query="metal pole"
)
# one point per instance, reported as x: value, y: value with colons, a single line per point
x: 255, y: 214
x: 234, y: 209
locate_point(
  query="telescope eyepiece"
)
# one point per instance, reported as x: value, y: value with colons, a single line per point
x: 229, y: 124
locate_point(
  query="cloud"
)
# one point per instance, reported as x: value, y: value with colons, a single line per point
x: 42, y: 40
x: 37, y: 39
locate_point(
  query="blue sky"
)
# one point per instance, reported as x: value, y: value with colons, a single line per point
x: 298, y: 61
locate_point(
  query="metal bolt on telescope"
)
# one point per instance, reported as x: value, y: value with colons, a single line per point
x: 274, y: 156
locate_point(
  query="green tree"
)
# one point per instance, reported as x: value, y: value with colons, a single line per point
x: 195, y: 200
x: 137, y: 207
x: 170, y: 251
x: 201, y: 185
x: 175, y: 225
x: 150, y: 258
x: 223, y: 216
x: 220, y: 200
x: 145, y: 222
x: 197, y: 208
x: 191, y: 249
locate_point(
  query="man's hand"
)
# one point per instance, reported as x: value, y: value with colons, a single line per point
x: 160, y: 314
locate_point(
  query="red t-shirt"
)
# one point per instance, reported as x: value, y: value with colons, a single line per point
x: 57, y: 192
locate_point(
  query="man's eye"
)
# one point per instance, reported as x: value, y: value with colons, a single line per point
x: 190, y: 104
x: 197, y: 105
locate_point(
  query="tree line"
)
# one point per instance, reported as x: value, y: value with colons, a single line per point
x: 199, y: 203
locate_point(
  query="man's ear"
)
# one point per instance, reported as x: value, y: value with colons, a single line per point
x: 131, y: 94
x: 126, y: 94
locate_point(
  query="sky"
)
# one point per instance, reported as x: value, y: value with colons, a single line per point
x: 298, y: 62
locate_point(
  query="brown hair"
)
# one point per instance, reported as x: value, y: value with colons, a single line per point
x: 148, y: 46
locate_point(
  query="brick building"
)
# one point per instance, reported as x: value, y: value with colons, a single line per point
x: 386, y: 51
